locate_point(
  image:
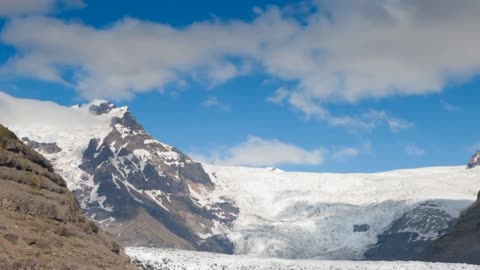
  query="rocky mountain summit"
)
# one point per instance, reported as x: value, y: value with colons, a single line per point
x: 149, y: 193
x: 474, y: 161
x: 41, y: 223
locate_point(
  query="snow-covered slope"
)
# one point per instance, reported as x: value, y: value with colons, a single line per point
x: 70, y: 128
x: 339, y: 216
x: 158, y: 259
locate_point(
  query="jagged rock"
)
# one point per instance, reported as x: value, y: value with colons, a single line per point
x: 42, y: 223
x: 102, y: 107
x: 11, y: 238
x: 129, y: 122
x: 49, y: 148
x: 410, y: 234
x: 361, y: 228
x: 474, y: 161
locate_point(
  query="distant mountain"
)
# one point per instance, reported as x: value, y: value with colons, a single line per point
x: 41, y: 224
x: 147, y: 192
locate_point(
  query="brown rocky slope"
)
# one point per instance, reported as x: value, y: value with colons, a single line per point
x: 41, y: 224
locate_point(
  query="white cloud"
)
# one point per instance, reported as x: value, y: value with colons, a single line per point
x: 450, y: 107
x: 133, y: 56
x: 260, y: 152
x: 40, y: 115
x: 414, y: 151
x: 10, y: 8
x: 279, y: 96
x: 365, y: 121
x: 343, y: 51
x: 345, y: 153
x: 214, y: 102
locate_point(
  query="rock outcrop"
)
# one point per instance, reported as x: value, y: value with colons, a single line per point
x: 410, y: 234
x: 460, y: 244
x: 41, y: 223
x: 48, y: 148
x: 474, y: 161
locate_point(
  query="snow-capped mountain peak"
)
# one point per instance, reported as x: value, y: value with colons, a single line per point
x: 100, y: 107
x: 144, y: 191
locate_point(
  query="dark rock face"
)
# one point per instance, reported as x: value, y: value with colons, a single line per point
x: 102, y: 108
x: 474, y: 161
x: 129, y: 122
x: 361, y: 228
x: 409, y: 235
x: 461, y: 244
x: 42, y: 225
x: 146, y: 192
x: 49, y: 148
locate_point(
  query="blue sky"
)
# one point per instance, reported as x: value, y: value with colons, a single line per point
x: 311, y: 86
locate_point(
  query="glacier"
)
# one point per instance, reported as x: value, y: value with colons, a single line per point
x: 313, y: 215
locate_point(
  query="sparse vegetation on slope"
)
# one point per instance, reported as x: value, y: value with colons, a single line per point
x: 41, y: 224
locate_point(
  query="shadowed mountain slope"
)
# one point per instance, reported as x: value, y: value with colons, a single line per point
x: 461, y: 244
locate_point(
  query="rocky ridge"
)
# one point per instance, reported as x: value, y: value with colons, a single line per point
x: 474, y: 161
x: 141, y: 178
x: 41, y: 223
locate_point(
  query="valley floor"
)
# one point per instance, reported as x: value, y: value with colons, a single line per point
x: 166, y: 259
